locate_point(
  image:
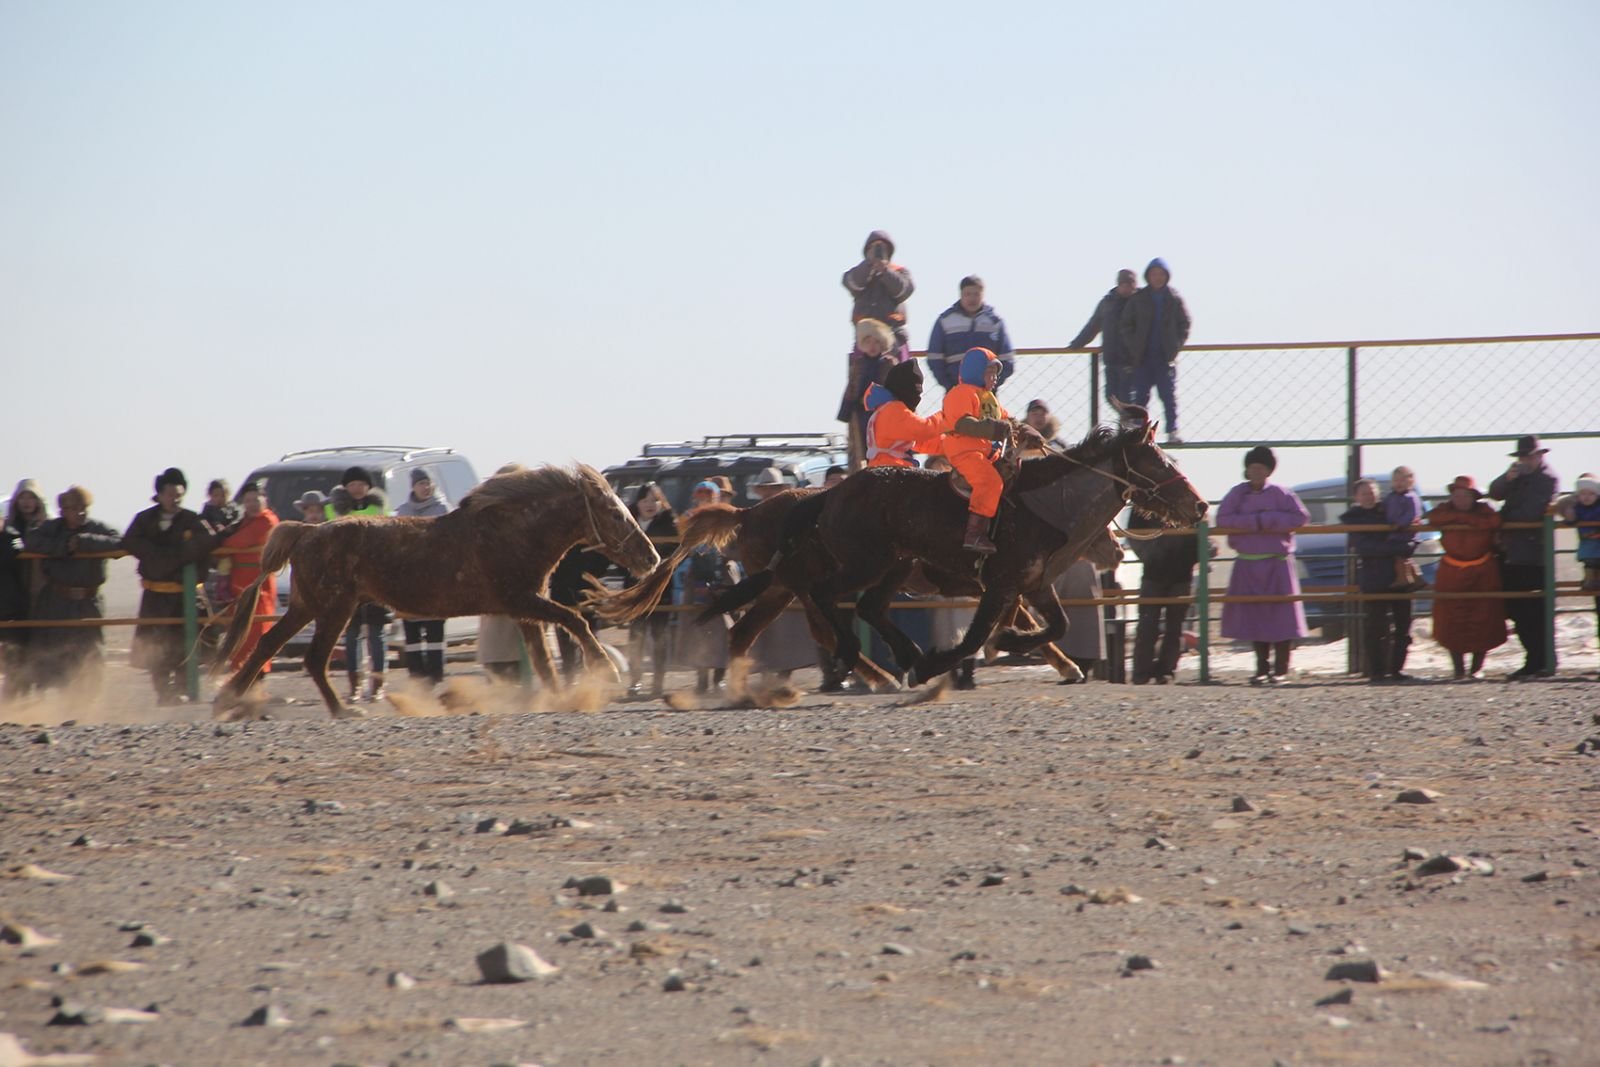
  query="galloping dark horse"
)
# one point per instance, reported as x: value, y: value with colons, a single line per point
x: 878, y: 520
x: 491, y: 556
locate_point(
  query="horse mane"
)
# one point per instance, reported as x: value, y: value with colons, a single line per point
x: 530, y: 486
x: 1098, y: 444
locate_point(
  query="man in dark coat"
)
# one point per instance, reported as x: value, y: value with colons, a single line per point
x: 1386, y: 631
x: 164, y: 538
x: 881, y: 289
x: 1528, y: 488
x: 71, y: 590
x: 1169, y: 564
x: 1155, y: 327
x: 1106, y: 321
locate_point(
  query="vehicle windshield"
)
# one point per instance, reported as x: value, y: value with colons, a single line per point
x: 284, y: 488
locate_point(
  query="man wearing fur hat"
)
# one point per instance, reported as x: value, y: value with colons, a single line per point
x: 875, y: 353
x: 1528, y: 487
x: 71, y: 590
x: 164, y: 538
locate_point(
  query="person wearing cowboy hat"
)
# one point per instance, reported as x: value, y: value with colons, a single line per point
x: 768, y: 484
x: 1477, y: 625
x: 1528, y: 487
x: 165, y: 538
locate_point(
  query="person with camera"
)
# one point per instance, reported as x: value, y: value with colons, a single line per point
x: 879, y: 288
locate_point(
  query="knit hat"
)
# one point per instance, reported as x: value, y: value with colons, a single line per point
x: 355, y: 474
x: 1589, y: 482
x: 171, y: 476
x: 1528, y: 445
x: 708, y: 487
x: 1467, y: 482
x: 874, y: 328
x: 975, y: 364
x: 1263, y: 455
x: 904, y: 383
x: 420, y: 474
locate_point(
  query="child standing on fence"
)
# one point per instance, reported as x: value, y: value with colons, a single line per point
x: 1268, y: 514
x: 1473, y: 625
x: 1583, y: 506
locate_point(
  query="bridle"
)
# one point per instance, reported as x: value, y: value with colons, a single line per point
x: 1137, y: 495
x: 594, y: 527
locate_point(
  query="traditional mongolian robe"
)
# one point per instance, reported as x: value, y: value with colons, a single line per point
x: 1265, y: 566
x: 246, y: 568
x: 162, y: 548
x: 1469, y: 566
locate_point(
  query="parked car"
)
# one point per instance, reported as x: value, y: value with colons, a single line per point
x: 285, y: 481
x: 1322, y: 557
x: 676, y: 467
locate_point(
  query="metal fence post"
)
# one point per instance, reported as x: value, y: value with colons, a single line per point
x: 1094, y: 390
x: 1548, y: 621
x: 1202, y: 596
x: 191, y: 635
x: 1356, y: 654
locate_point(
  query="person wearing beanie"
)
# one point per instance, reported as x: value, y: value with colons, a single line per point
x: 1155, y: 327
x: 165, y: 538
x: 71, y: 590
x: 894, y: 429
x: 880, y: 288
x: 425, y: 644
x: 1582, y: 506
x: 870, y: 361
x: 356, y: 496
x: 1106, y: 322
x: 967, y: 324
x: 1468, y: 529
x: 1265, y: 516
x: 1527, y: 488
x: 977, y: 424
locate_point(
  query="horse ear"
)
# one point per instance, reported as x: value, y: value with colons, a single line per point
x: 1150, y: 434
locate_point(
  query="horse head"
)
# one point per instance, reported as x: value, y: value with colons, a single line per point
x: 1154, y: 483
x: 612, y: 528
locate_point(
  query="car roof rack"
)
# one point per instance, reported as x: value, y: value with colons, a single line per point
x: 734, y: 443
x: 400, y: 452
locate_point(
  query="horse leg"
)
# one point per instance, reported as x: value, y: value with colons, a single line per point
x: 873, y: 606
x: 535, y: 608
x: 232, y: 691
x: 875, y: 677
x: 539, y: 654
x: 761, y: 614
x: 1052, y: 627
x: 991, y: 605
x: 330, y: 628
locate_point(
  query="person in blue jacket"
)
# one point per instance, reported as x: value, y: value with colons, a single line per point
x: 967, y: 324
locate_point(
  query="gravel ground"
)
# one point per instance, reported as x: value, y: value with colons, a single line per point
x: 972, y: 880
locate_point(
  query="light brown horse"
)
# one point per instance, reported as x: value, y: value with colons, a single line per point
x: 491, y: 556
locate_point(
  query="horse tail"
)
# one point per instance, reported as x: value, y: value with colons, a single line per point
x: 738, y: 596
x: 715, y: 525
x: 280, y: 543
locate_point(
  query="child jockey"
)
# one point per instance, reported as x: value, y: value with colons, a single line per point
x: 894, y: 429
x: 976, y: 422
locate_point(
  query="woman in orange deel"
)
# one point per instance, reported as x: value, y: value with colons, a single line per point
x: 976, y: 422
x: 252, y: 533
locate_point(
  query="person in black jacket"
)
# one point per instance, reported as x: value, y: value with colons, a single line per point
x: 13, y: 608
x: 1386, y: 638
x: 165, y: 538
x: 654, y: 513
x: 71, y: 590
x: 1106, y: 321
x: 1528, y: 488
x: 1169, y: 564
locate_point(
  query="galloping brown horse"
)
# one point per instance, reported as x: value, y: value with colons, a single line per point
x: 1058, y: 505
x: 491, y: 556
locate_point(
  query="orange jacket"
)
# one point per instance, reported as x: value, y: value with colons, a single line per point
x: 959, y: 402
x: 895, y: 431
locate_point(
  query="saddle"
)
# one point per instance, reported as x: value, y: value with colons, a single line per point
x: 1007, y: 466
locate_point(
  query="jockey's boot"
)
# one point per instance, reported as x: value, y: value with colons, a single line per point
x: 977, y: 538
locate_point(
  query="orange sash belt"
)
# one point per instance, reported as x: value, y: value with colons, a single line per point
x: 1468, y: 562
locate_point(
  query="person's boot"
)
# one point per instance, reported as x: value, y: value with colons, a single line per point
x: 964, y: 678
x: 355, y: 688
x: 374, y: 691
x: 977, y: 536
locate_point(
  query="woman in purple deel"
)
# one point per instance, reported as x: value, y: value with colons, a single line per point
x: 1265, y: 565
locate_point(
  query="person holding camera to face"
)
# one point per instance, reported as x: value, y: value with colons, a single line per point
x: 880, y: 289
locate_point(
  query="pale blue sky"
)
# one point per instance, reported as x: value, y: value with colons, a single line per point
x: 548, y: 231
